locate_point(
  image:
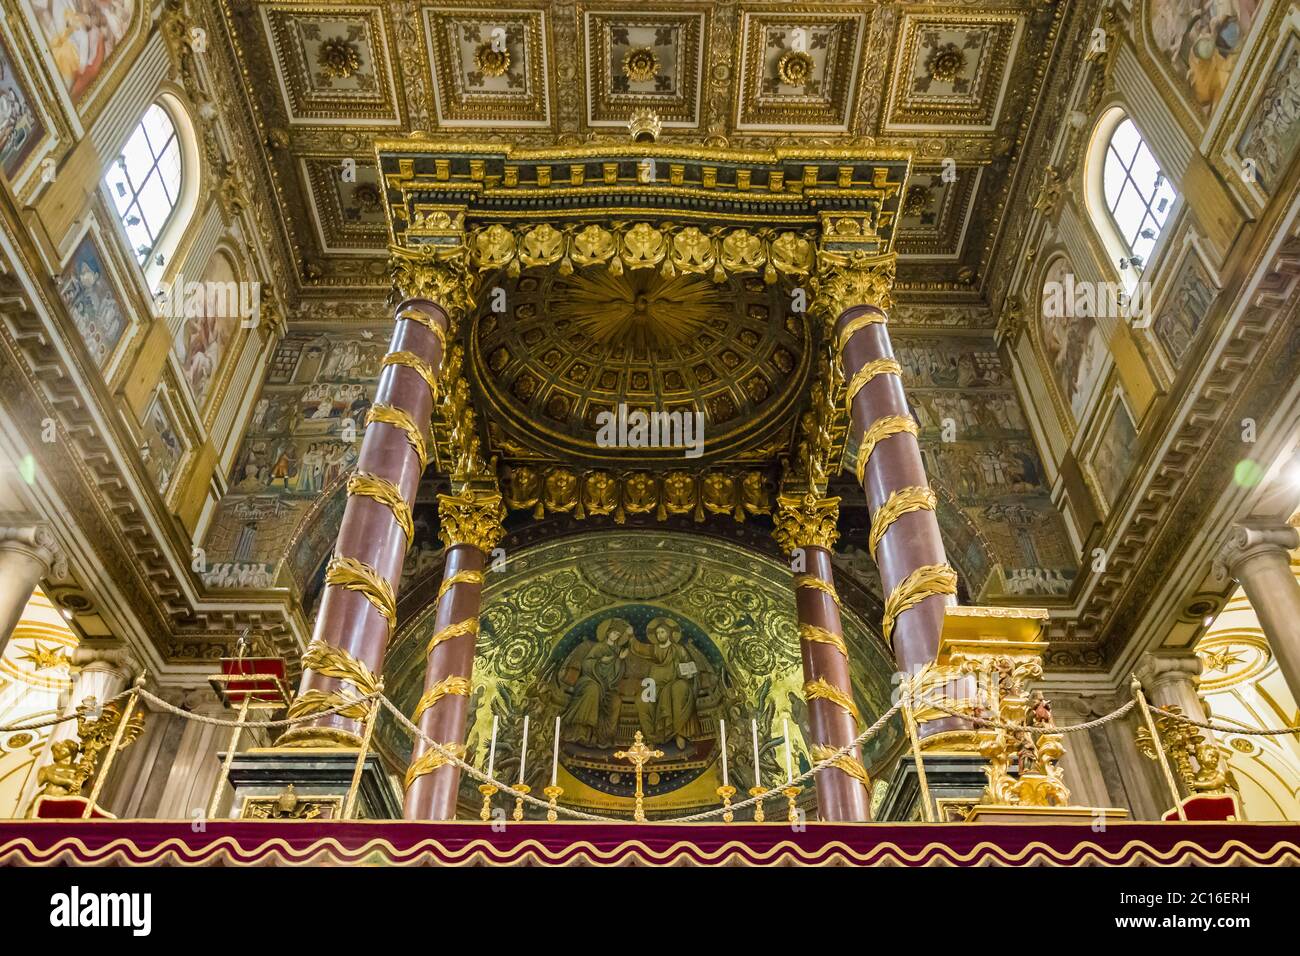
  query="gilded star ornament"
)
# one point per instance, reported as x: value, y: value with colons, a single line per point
x: 640, y: 65
x: 339, y: 58
x: 43, y: 658
x: 1222, y: 659
x: 946, y: 63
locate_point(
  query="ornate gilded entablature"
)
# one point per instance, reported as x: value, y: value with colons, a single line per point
x: 644, y: 283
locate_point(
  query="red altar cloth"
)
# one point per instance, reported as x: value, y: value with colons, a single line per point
x: 399, y: 843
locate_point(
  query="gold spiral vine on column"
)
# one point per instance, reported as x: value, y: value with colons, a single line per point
x: 460, y: 577
x: 431, y: 760
x: 901, y: 501
x: 385, y: 492
x: 817, y: 584
x: 822, y: 689
x: 856, y: 325
x: 877, y: 432
x: 358, y: 576
x: 819, y: 635
x: 878, y: 366
x: 451, y: 632
x: 419, y: 366
x: 401, y: 419
x: 453, y: 684
x: 311, y: 701
x: 329, y: 661
x: 845, y: 762
x: 924, y: 582
x: 416, y: 315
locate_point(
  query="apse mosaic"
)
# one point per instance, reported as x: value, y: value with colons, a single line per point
x: 581, y: 627
x: 303, y: 438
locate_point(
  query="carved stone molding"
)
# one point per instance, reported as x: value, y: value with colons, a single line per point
x: 1251, y: 541
x: 39, y: 543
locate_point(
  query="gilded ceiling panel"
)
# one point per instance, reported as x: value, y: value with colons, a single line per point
x: 798, y: 69
x: 490, y: 66
x: 640, y: 59
x: 333, y: 69
x: 935, y: 213
x: 951, y: 70
x: 348, y: 204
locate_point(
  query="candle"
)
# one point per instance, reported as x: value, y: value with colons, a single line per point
x: 722, y: 733
x: 492, y: 749
x: 789, y: 769
x: 523, y: 751
x: 555, y: 753
x: 758, y: 777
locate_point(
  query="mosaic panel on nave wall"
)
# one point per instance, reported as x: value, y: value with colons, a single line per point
x: 976, y: 443
x: 304, y: 438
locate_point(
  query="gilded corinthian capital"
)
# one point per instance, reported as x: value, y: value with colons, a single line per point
x: 805, y: 521
x: 848, y: 279
x: 440, y: 274
x: 471, y: 517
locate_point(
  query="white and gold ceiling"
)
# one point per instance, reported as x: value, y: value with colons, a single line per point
x: 955, y: 84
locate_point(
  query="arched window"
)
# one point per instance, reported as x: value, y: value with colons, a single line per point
x: 145, y: 181
x: 1136, y: 194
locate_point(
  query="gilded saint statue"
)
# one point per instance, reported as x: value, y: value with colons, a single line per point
x: 591, y: 716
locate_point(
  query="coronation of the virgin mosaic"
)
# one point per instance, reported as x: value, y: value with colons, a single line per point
x: 649, y: 433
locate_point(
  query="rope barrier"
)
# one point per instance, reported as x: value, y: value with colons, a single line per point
x: 946, y: 705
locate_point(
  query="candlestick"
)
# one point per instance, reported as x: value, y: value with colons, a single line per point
x: 555, y: 752
x: 758, y: 807
x: 722, y: 735
x: 726, y: 793
x: 519, y: 802
x: 790, y: 793
x: 552, y: 794
x: 789, y: 768
x: 492, y: 748
x: 487, y: 790
x: 758, y: 776
x: 523, y: 750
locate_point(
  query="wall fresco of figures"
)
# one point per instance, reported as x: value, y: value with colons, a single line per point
x: 1072, y: 341
x: 1201, y: 42
x: 1113, y: 458
x: 1271, y: 137
x: 575, y: 627
x: 20, y: 128
x: 161, y: 446
x: 87, y: 289
x: 204, y: 339
x: 303, y: 438
x: 977, y: 445
x: 82, y: 36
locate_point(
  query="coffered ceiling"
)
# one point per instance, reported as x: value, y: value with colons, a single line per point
x: 953, y: 83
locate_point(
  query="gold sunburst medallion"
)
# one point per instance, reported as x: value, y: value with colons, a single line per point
x: 639, y: 309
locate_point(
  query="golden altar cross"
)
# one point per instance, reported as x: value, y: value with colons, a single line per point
x: 640, y: 755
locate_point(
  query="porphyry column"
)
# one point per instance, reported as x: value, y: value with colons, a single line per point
x: 359, y: 608
x: 806, y: 530
x: 905, y: 541
x: 470, y: 527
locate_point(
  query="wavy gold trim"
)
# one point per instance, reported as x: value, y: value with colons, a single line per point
x: 925, y: 581
x: 330, y: 661
x: 385, y: 492
x: 417, y: 316
x: 453, y: 631
x: 460, y: 577
x: 819, y: 635
x: 401, y: 419
x: 844, y: 762
x: 817, y: 584
x: 431, y: 760
x: 452, y: 684
x: 822, y: 689
x: 419, y: 366
x: 877, y: 366
x: 877, y: 432
x: 358, y: 576
x: 856, y: 325
x: 901, y: 501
